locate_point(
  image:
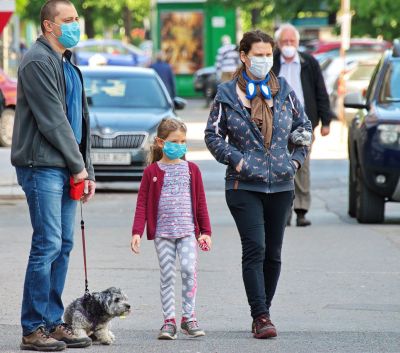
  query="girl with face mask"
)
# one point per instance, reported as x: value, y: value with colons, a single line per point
x: 171, y: 200
x: 252, y: 120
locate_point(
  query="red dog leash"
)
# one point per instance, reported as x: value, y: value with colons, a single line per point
x: 84, y: 251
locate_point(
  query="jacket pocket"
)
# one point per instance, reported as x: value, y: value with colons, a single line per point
x: 254, y: 166
x: 282, y: 166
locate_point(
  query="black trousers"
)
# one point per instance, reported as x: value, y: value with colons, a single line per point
x: 261, y: 221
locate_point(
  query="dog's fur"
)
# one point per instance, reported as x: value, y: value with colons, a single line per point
x: 91, y: 314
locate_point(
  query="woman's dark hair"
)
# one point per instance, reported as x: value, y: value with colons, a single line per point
x: 254, y: 37
x: 251, y: 37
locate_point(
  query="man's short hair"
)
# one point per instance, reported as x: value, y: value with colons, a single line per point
x: 283, y: 27
x: 49, y: 12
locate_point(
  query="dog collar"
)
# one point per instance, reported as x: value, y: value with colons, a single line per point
x: 251, y: 87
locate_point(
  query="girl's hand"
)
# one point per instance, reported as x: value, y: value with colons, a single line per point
x: 205, y: 238
x: 135, y: 243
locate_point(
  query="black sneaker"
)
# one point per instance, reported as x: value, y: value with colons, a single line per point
x: 168, y: 331
x: 262, y: 327
x: 192, y: 329
x: 302, y: 221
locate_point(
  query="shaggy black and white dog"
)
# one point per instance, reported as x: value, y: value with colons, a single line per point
x: 91, y: 314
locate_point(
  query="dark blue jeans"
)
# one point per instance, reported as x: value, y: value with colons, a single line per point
x: 261, y: 221
x: 52, y: 214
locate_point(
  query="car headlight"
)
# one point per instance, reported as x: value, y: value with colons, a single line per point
x: 389, y: 134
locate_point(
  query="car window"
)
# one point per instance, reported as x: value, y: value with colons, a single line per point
x: 373, y: 83
x: 90, y: 49
x: 124, y: 92
x: 390, y: 91
x: 362, y: 72
x: 115, y: 50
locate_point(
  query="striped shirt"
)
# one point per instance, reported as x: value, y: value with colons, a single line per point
x: 227, y: 59
x: 175, y: 213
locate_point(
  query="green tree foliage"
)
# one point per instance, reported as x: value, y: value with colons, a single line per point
x: 371, y: 17
x: 98, y: 14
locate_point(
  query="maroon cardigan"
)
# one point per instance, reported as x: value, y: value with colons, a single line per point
x: 149, y: 196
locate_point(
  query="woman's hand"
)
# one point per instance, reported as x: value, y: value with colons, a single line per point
x: 239, y: 166
x: 135, y: 243
x: 205, y: 238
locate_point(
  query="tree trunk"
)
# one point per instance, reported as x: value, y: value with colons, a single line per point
x: 255, y: 17
x: 89, y: 23
x: 127, y: 16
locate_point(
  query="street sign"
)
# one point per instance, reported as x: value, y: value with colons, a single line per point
x: 7, y: 8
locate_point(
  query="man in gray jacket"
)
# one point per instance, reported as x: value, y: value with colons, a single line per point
x: 51, y: 143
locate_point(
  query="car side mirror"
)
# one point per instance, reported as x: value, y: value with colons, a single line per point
x: 355, y: 100
x: 179, y: 103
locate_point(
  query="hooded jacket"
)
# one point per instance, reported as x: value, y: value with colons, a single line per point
x: 42, y: 135
x: 264, y: 170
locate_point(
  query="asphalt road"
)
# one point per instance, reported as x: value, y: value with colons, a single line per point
x: 339, y: 290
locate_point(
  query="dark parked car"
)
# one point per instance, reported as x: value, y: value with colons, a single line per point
x: 205, y: 80
x: 109, y: 52
x: 374, y: 142
x: 126, y: 105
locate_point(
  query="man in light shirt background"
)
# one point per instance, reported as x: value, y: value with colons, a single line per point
x: 303, y: 73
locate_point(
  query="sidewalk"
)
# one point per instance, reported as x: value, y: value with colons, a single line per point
x: 331, y: 147
x: 9, y: 187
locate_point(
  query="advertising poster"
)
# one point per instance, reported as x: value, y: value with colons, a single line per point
x: 182, y: 40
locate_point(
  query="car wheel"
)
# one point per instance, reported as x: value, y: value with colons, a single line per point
x: 370, y: 208
x: 352, y: 202
x: 6, y: 127
x: 352, y: 191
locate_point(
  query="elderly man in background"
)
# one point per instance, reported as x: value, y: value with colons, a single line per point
x: 303, y: 73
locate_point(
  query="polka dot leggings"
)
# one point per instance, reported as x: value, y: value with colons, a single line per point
x: 186, y: 248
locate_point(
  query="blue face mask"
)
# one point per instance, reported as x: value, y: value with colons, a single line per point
x: 70, y: 34
x: 174, y: 150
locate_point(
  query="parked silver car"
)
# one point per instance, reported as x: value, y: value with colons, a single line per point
x: 126, y: 104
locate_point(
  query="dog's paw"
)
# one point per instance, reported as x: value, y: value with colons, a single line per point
x: 112, y: 336
x: 106, y: 341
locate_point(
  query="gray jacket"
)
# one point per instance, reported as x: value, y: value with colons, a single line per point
x: 42, y: 135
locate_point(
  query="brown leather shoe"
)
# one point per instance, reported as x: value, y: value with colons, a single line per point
x: 40, y: 340
x: 262, y: 327
x: 65, y: 334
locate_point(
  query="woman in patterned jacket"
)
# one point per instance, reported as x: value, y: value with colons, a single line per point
x: 261, y: 115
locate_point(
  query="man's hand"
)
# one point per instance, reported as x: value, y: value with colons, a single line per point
x: 81, y: 176
x: 135, y: 243
x: 90, y: 188
x: 325, y: 130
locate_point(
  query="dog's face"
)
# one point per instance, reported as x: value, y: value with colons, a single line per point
x: 114, y: 302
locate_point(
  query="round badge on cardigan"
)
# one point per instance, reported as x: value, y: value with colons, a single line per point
x: 154, y: 179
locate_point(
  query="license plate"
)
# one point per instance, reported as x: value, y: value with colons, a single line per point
x: 117, y: 158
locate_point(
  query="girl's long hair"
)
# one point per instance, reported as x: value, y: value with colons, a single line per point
x: 166, y: 126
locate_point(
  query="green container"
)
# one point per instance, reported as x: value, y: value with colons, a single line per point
x: 190, y: 32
